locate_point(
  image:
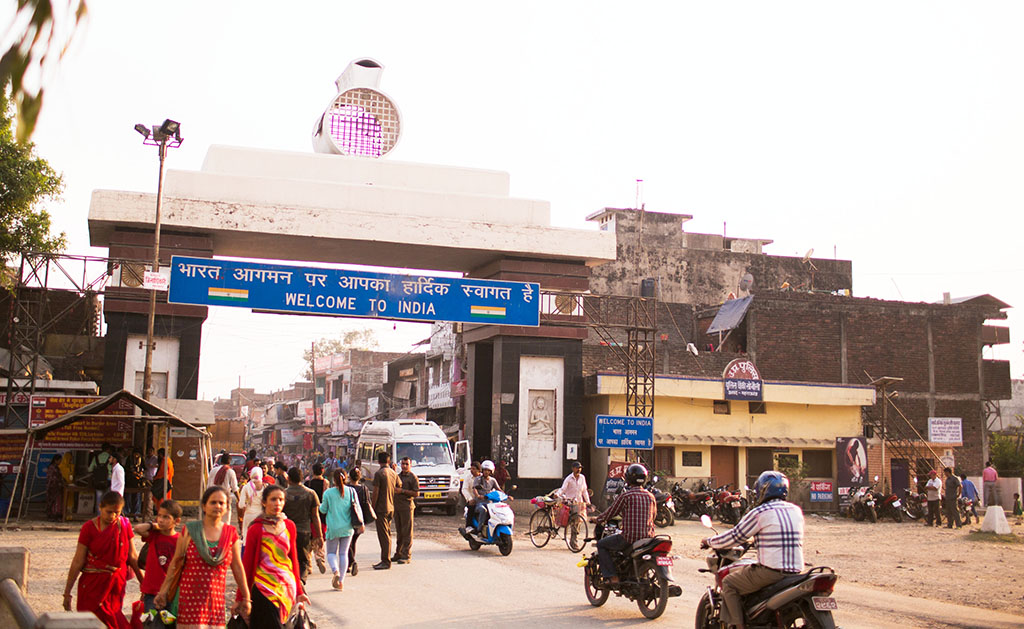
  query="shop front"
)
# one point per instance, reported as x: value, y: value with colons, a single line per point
x: 701, y: 436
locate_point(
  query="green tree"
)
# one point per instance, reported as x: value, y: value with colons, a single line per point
x: 39, y: 36
x: 26, y: 182
x: 362, y: 338
x: 1007, y: 453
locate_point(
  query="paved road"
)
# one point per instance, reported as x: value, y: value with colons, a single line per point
x: 448, y: 584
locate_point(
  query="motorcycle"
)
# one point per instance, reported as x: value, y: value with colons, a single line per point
x: 665, y: 514
x: 888, y: 506
x: 805, y: 597
x: 964, y: 506
x: 688, y: 502
x: 644, y: 571
x: 498, y: 528
x: 915, y: 505
x: 863, y: 505
x: 728, y: 505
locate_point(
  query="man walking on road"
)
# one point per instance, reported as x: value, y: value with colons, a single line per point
x: 302, y: 506
x: 405, y: 506
x: 989, y: 477
x: 952, y: 497
x: 385, y: 481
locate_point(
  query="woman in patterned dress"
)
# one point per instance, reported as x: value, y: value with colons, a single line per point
x: 205, y: 551
x: 271, y: 564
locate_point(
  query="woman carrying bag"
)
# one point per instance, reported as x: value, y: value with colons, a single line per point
x: 271, y: 562
x: 250, y: 501
x: 344, y: 517
x: 198, y: 572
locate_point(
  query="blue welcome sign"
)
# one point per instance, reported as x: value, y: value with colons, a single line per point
x: 619, y: 431
x: 345, y: 293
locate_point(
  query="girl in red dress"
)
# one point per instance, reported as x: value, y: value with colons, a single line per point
x: 104, y: 554
x: 205, y: 551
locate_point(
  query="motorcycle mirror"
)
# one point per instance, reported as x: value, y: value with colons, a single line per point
x: 705, y: 520
x: 915, y: 479
x: 876, y: 478
x: 746, y: 488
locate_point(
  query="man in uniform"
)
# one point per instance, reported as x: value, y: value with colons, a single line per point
x: 405, y: 505
x: 385, y: 481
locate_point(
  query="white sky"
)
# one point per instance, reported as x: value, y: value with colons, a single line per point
x: 891, y: 133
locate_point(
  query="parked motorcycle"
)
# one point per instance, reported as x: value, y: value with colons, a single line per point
x: 665, y: 515
x: 805, y: 597
x: 915, y: 505
x: 888, y: 506
x: 688, y: 502
x: 498, y: 528
x: 964, y: 506
x: 644, y: 571
x: 862, y: 506
x: 728, y: 505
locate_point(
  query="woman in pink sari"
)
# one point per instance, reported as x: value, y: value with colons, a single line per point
x: 104, y: 553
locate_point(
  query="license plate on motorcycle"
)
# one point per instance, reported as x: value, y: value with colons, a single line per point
x: 663, y: 560
x: 897, y: 504
x: 824, y: 603
x: 431, y: 495
x: 736, y: 504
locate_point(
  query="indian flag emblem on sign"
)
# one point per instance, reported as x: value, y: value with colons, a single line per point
x: 487, y: 312
x: 228, y: 294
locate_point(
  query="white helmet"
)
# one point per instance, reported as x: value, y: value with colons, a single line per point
x: 487, y: 465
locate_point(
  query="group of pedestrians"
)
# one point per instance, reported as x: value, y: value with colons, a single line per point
x: 137, y: 479
x: 394, y: 501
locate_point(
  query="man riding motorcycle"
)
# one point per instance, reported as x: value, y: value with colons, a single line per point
x: 777, y: 527
x: 638, y: 507
x: 483, y: 485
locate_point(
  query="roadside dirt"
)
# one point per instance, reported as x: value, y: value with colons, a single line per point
x: 908, y: 558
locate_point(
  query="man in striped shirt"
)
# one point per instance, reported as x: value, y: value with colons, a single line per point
x: 637, y: 507
x: 777, y: 528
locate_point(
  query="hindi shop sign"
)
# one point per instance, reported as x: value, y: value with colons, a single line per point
x: 945, y: 430
x: 742, y: 381
x: 345, y: 293
x: 46, y: 408
x: 615, y: 431
x: 821, y: 491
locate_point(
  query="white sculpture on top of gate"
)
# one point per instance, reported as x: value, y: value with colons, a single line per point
x: 361, y: 121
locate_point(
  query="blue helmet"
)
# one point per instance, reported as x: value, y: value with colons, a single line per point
x: 771, y: 485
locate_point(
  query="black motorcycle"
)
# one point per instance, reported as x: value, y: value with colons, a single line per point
x: 804, y: 598
x: 665, y: 514
x: 687, y: 502
x: 644, y: 570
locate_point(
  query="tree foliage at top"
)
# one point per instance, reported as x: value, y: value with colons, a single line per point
x: 26, y: 181
x: 41, y: 30
x: 362, y: 338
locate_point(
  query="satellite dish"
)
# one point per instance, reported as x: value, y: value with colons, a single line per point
x: 807, y: 256
x: 746, y: 282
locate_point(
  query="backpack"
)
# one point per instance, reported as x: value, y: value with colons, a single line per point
x: 99, y: 479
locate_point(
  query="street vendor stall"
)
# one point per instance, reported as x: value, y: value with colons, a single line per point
x: 121, y: 419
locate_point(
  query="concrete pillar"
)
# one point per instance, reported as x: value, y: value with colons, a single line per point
x: 14, y: 566
x: 68, y: 620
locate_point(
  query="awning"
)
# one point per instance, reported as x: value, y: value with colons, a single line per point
x: 730, y: 315
x: 754, y: 442
x: 150, y: 412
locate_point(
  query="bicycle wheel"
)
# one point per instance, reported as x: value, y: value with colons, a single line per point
x: 576, y: 533
x: 540, y: 528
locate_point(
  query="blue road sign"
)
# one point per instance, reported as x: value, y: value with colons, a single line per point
x: 344, y: 293
x: 615, y: 431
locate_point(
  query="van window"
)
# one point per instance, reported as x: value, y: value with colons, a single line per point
x: 377, y: 449
x: 427, y: 453
x: 365, y: 451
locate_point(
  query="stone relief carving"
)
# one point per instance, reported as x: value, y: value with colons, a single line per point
x: 542, y: 421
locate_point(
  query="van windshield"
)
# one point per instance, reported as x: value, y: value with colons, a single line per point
x: 425, y: 453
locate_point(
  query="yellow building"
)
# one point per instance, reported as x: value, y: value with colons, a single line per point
x: 700, y: 435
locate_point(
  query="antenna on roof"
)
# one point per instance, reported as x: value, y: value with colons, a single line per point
x: 807, y: 260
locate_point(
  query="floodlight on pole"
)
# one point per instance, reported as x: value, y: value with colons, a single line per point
x: 167, y: 135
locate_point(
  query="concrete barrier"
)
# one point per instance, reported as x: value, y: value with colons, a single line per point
x: 15, y: 611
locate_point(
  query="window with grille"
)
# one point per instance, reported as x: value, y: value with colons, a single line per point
x: 722, y: 407
x: 756, y: 408
x: 819, y: 463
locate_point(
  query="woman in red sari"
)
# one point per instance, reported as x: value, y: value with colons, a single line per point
x: 104, y: 553
x: 206, y: 549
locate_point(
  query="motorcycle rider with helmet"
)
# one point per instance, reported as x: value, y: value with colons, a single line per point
x: 777, y: 527
x: 638, y: 507
x: 483, y: 485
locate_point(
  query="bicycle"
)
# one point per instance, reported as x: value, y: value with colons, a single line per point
x: 553, y: 514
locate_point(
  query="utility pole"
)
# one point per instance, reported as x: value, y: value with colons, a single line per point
x: 312, y: 372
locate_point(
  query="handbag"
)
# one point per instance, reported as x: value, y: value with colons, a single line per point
x: 299, y: 619
x: 369, y: 515
x: 355, y: 516
x: 237, y: 622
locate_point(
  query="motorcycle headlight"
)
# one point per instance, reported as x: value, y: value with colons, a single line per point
x: 670, y: 504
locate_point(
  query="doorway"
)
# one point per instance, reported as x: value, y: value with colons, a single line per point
x: 758, y: 460
x: 724, y: 465
x: 899, y: 475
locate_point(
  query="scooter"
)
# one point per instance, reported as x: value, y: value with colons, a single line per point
x: 498, y: 528
x: 805, y: 597
x: 644, y: 571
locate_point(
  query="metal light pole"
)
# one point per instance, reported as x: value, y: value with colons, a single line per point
x: 166, y: 135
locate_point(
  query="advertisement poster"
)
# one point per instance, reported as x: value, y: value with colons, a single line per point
x: 47, y: 408
x: 851, y: 464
